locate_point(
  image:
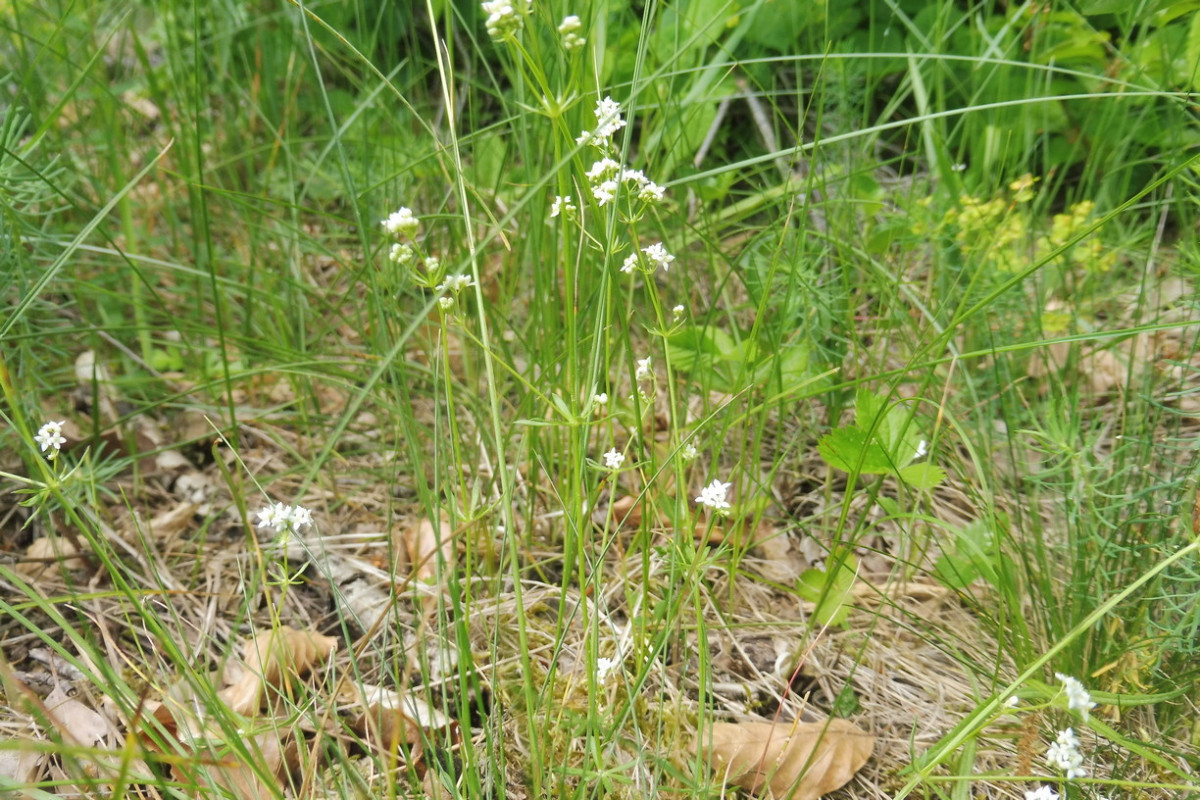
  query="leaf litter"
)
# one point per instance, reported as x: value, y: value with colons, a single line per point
x: 893, y: 665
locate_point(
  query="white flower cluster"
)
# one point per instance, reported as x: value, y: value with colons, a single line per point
x: 608, y: 122
x: 714, y: 495
x: 606, y: 668
x: 1064, y: 754
x: 568, y: 30
x: 614, y: 459
x: 50, y: 437
x: 282, y: 518
x: 402, y: 223
x: 1041, y: 793
x: 562, y: 205
x: 451, y: 288
x: 1078, y: 698
x: 645, y: 371
x: 656, y: 254
x: 506, y: 17
x: 607, y: 175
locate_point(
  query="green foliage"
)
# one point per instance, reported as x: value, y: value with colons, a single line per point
x: 882, y: 441
x: 972, y: 555
x: 830, y: 588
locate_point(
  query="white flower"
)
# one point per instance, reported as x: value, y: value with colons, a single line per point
x: 275, y: 516
x: 606, y: 667
x: 1064, y: 754
x: 608, y: 121
x: 1012, y: 702
x: 504, y: 18
x: 650, y: 192
x: 446, y: 303
x: 713, y: 496
x: 1042, y: 793
x: 644, y: 371
x: 300, y: 517
x: 561, y: 205
x: 605, y: 192
x: 608, y: 118
x: 402, y: 253
x: 600, y: 399
x: 567, y: 29
x: 922, y: 449
x: 659, y: 256
x: 456, y: 283
x: 688, y: 452
x: 630, y: 264
x: 677, y: 313
x: 432, y: 264
x: 1078, y: 698
x: 613, y: 459
x: 401, y: 223
x: 50, y: 437
x: 601, y: 169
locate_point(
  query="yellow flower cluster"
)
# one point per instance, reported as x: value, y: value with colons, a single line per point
x: 991, y: 232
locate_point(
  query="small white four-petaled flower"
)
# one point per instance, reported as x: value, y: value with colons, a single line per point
x: 714, y: 494
x: 50, y: 437
x: 614, y: 459
x: 1042, y: 793
x: 282, y: 518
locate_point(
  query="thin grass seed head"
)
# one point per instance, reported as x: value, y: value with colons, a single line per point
x: 50, y: 437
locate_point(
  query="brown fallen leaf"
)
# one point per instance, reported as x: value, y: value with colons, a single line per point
x: 801, y: 760
x: 50, y: 554
x: 273, y: 658
x: 426, y: 545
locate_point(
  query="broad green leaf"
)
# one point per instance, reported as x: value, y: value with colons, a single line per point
x: 847, y: 449
x: 922, y: 476
x: 829, y: 589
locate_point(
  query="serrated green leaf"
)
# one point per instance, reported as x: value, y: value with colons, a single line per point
x: 923, y: 475
x: 847, y: 449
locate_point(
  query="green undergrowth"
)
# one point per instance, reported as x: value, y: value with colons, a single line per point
x: 905, y: 289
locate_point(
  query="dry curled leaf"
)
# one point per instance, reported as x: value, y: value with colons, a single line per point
x: 52, y: 554
x: 426, y: 546
x: 802, y: 760
x: 272, y: 659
